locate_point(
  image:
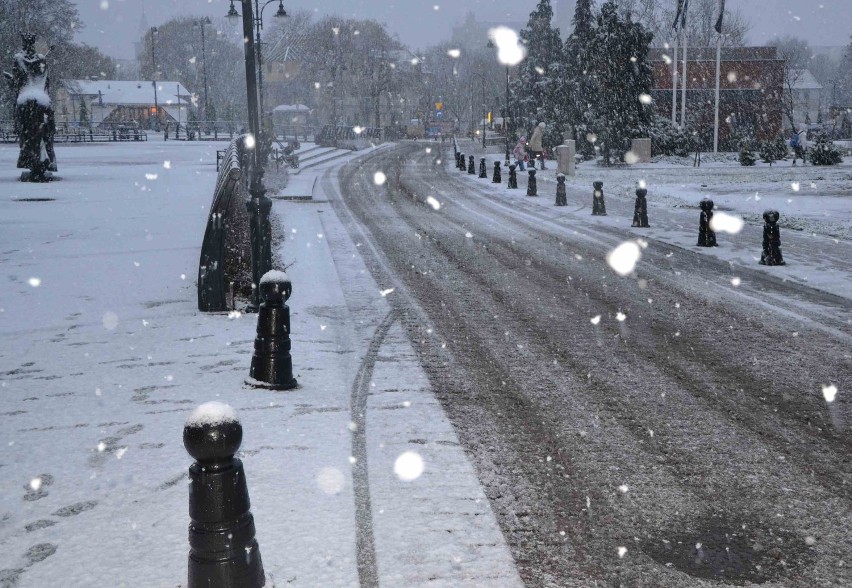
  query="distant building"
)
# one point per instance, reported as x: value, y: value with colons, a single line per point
x: 751, y: 89
x: 807, y: 97
x: 116, y: 101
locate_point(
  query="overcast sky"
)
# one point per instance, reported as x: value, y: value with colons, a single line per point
x: 113, y: 25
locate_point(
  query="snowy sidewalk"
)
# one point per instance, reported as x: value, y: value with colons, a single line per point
x: 105, y: 356
x: 815, y: 200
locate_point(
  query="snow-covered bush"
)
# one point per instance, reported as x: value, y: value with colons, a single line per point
x: 773, y: 150
x: 747, y: 157
x: 666, y: 138
x: 824, y: 152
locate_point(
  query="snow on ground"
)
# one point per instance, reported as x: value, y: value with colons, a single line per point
x: 815, y: 205
x: 106, y: 356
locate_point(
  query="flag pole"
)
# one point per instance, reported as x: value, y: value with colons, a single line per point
x: 674, y: 79
x: 718, y: 28
x: 685, y: 43
x: 718, y: 68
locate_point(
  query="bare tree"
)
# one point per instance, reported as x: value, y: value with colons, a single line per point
x: 658, y: 17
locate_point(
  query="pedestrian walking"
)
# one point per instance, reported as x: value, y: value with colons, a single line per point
x: 536, y: 149
x: 798, y: 142
x: 520, y: 153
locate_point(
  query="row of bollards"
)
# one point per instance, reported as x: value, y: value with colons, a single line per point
x: 706, y: 235
x: 223, y: 551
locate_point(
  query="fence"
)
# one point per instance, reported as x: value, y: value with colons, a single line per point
x: 226, y: 241
x: 75, y: 133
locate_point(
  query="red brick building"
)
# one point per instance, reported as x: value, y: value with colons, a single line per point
x: 751, y: 90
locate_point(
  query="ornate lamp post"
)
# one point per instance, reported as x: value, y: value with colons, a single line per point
x: 506, y: 118
x: 259, y: 205
x: 154, y: 34
x: 258, y: 23
x: 201, y: 24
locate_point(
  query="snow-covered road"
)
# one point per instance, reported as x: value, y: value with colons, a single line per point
x: 667, y: 428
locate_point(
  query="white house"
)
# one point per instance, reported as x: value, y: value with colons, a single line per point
x: 123, y: 101
x: 807, y: 96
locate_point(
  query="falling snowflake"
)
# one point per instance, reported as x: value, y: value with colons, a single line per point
x: 386, y: 292
x: 167, y: 164
x: 433, y: 202
x: 595, y: 319
x: 829, y: 392
x: 34, y: 282
x: 151, y: 177
x: 379, y: 178
x: 726, y: 223
x: 736, y: 281
x: 454, y: 53
x: 623, y: 258
x: 620, y: 317
x: 645, y: 98
x: 622, y: 551
x: 408, y: 466
x: 795, y: 186
x: 109, y: 320
x: 35, y: 483
x: 469, y: 235
x: 250, y: 142
x: 623, y: 488
x: 330, y: 480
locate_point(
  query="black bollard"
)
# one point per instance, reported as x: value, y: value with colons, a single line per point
x: 706, y: 235
x: 223, y: 551
x: 483, y: 171
x: 458, y: 155
x: 598, y: 203
x: 532, y: 187
x: 513, y: 178
x: 561, y: 196
x: 271, y: 364
x: 497, y: 179
x: 771, y: 240
x: 471, y: 167
x: 461, y: 162
x: 640, y: 210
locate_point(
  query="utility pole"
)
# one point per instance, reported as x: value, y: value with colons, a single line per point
x: 154, y: 33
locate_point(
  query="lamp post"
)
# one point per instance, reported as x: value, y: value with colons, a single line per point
x: 154, y: 34
x: 202, y: 23
x: 506, y: 118
x: 259, y: 205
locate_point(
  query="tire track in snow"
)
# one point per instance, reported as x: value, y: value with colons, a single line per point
x: 364, y: 541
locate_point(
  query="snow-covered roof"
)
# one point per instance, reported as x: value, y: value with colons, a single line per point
x: 291, y: 108
x: 136, y: 92
x: 802, y: 79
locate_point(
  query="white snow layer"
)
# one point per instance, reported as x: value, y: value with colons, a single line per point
x: 274, y: 276
x: 212, y: 413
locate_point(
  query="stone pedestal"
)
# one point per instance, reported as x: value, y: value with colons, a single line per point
x: 565, y: 158
x: 641, y: 148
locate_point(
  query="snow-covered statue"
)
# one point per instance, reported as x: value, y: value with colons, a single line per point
x: 34, y: 121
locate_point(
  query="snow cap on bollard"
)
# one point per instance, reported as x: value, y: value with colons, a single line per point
x: 276, y: 287
x: 771, y: 216
x: 212, y: 432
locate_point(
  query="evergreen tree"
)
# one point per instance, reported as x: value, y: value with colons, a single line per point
x: 621, y: 84
x: 541, y: 76
x: 84, y: 113
x: 583, y: 19
x: 578, y: 63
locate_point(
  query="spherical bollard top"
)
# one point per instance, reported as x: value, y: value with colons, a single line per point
x: 532, y: 172
x: 641, y: 192
x: 706, y: 204
x: 275, y: 287
x: 771, y: 216
x: 511, y: 167
x: 212, y: 433
x: 560, y: 178
x: 598, y: 186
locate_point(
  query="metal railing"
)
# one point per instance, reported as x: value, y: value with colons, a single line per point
x: 229, y: 191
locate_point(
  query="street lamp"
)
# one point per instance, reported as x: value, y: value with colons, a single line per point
x: 201, y: 24
x: 258, y: 23
x: 491, y: 45
x: 259, y: 205
x: 154, y: 34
